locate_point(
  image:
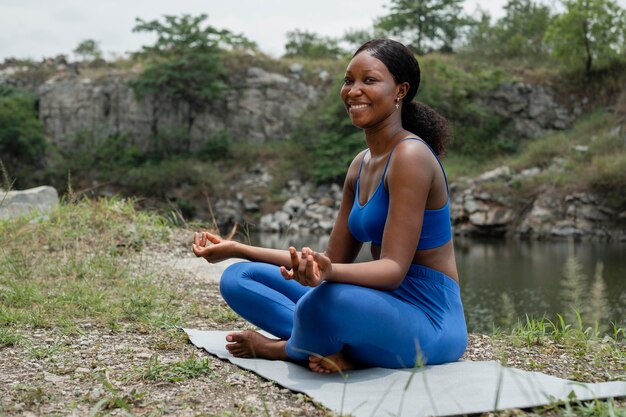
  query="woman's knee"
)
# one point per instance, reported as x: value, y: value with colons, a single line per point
x: 232, y: 278
x: 324, y: 301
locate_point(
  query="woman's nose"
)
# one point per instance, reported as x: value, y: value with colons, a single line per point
x: 355, y: 90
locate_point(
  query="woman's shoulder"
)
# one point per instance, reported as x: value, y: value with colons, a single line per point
x: 411, y: 157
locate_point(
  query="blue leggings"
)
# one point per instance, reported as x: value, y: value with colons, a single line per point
x: 422, y: 321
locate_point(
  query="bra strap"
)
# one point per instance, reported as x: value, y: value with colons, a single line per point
x: 445, y: 177
x: 361, y: 167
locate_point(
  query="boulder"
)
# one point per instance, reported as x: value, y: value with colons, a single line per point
x: 15, y: 204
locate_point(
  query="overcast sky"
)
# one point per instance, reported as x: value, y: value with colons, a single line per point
x: 38, y: 28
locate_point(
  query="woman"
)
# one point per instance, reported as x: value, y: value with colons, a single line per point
x: 404, y: 307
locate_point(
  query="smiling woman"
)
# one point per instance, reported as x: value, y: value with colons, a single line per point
x: 404, y: 307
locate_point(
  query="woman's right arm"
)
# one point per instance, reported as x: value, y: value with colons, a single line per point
x: 222, y: 249
x: 342, y: 246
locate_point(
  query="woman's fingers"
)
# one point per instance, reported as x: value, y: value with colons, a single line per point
x: 211, y: 237
x: 309, y: 272
x: 286, y: 273
x: 196, y: 239
x: 295, y: 262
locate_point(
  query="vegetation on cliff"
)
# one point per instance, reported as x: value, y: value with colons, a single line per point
x: 465, y: 59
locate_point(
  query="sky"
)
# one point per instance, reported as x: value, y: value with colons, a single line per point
x: 38, y: 28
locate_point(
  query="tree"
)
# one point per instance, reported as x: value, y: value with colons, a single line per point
x: 183, y: 66
x: 311, y: 45
x: 88, y: 50
x: 588, y: 32
x: 518, y: 34
x: 357, y: 37
x: 426, y: 24
x: 522, y: 29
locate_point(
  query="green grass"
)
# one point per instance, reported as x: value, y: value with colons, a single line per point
x: 9, y: 337
x: 188, y: 368
x: 591, y: 156
x: 81, y: 264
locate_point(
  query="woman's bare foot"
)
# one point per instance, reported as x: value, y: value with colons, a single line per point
x: 332, y: 363
x: 251, y: 344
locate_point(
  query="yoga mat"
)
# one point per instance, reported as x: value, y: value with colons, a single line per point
x: 462, y: 387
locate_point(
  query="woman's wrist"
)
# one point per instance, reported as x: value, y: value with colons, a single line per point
x: 239, y: 251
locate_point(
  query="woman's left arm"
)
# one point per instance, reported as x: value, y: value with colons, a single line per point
x: 409, y: 180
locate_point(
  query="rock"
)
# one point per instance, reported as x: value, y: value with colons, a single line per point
x: 15, y: 204
x: 296, y: 68
x: 531, y: 107
x: 258, y: 106
x: 503, y: 171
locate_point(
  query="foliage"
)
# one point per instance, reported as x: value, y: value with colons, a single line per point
x: 183, y: 66
x: 517, y: 35
x: 425, y: 24
x: 357, y: 37
x: 311, y: 45
x: 451, y: 90
x: 22, y: 141
x: 588, y: 33
x: 88, y: 155
x: 608, y: 177
x: 591, y: 155
x: 177, y: 371
x: 88, y: 50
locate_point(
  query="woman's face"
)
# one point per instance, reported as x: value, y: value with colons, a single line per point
x: 369, y: 91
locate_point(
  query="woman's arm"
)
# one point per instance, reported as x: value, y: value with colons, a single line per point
x: 342, y: 246
x: 222, y: 249
x: 409, y: 180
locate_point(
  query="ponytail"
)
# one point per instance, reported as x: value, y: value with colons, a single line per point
x: 427, y: 124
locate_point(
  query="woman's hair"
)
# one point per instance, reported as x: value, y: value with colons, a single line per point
x: 417, y: 117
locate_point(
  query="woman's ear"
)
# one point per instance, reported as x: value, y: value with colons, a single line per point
x: 402, y: 89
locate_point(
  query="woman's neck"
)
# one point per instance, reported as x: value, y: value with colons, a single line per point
x: 381, y: 139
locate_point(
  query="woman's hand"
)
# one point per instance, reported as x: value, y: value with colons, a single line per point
x: 309, y: 269
x: 218, y: 251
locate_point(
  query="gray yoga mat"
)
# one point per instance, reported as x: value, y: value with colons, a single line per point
x: 462, y: 387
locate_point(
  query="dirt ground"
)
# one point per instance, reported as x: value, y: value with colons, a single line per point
x: 132, y: 370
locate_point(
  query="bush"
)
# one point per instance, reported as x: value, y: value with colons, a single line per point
x: 607, y: 177
x: 22, y: 141
x: 452, y: 90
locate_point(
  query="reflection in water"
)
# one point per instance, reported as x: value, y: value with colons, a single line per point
x: 503, y: 280
x: 572, y: 286
x: 576, y: 285
x: 598, y: 305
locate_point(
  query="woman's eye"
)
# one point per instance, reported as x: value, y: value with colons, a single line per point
x: 347, y: 81
x: 370, y: 80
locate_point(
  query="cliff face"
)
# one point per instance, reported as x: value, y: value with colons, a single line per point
x: 257, y: 107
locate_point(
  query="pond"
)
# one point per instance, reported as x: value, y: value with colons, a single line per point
x: 503, y: 281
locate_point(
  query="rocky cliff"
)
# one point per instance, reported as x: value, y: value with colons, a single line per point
x: 258, y: 106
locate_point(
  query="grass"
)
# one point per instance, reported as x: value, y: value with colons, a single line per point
x: 188, y: 368
x: 87, y: 266
x: 590, y: 156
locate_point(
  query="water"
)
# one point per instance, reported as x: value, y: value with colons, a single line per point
x: 505, y: 280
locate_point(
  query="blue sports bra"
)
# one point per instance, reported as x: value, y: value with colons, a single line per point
x: 367, y: 222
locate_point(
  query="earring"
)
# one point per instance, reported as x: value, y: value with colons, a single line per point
x: 397, y: 102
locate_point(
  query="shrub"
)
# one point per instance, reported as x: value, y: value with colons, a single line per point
x: 22, y: 141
